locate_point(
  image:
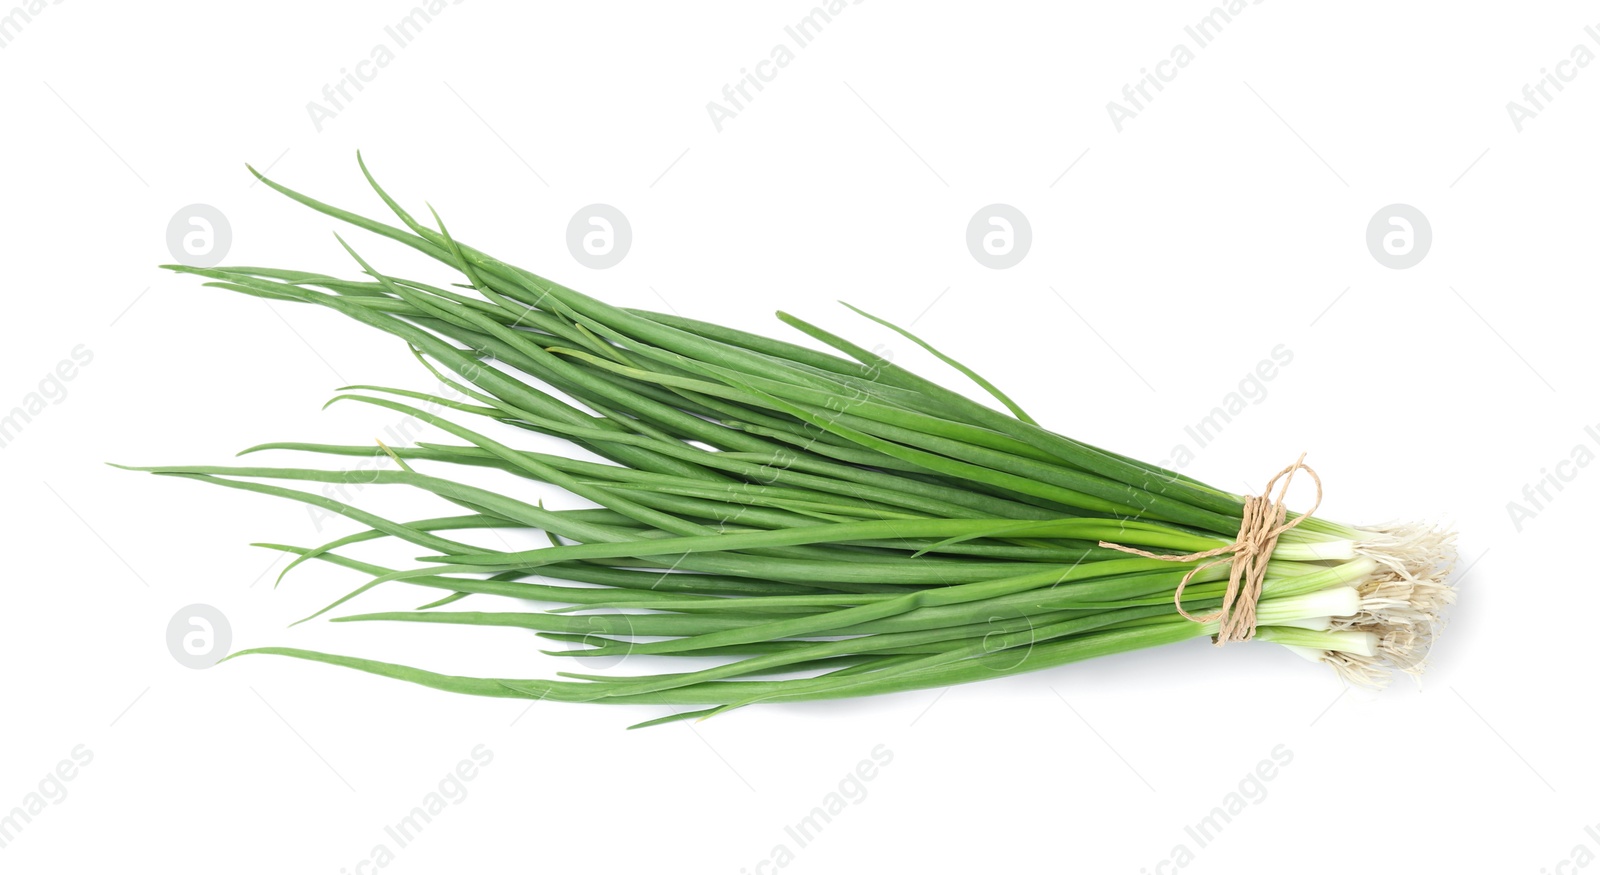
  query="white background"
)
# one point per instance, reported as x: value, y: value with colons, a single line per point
x: 1225, y: 219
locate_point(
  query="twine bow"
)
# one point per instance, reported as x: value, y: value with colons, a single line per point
x: 1262, y: 523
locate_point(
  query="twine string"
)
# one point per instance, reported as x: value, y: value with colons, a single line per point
x: 1262, y: 522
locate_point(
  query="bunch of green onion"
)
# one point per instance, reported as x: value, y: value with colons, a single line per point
x: 795, y: 524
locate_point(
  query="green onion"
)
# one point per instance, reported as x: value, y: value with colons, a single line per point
x: 790, y: 524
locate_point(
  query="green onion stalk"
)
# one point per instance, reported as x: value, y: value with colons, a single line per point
x: 792, y: 523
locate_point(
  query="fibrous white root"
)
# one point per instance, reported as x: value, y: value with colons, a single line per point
x: 1402, y: 602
